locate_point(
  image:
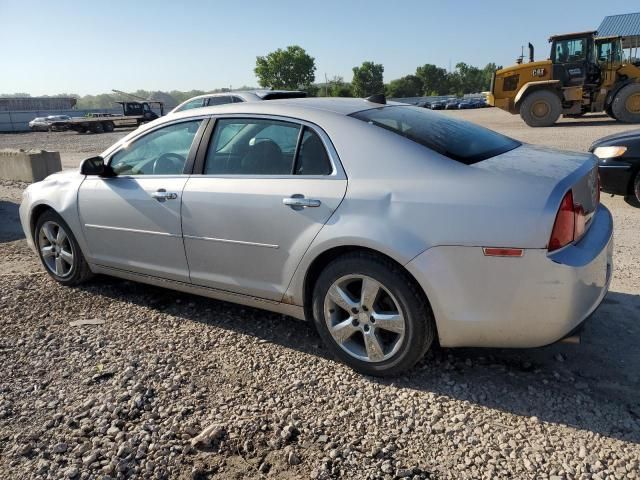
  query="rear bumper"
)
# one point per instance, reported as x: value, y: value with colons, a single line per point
x: 527, y: 301
x: 615, y: 176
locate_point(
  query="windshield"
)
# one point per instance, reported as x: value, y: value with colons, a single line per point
x: 459, y: 140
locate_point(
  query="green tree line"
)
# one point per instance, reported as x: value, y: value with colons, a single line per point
x: 293, y: 68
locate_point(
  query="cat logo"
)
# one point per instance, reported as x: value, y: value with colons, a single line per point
x: 538, y: 72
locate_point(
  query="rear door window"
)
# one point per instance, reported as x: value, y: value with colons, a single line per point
x: 252, y: 147
x: 459, y: 140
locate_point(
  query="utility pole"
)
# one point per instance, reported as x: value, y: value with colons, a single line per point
x: 326, y: 86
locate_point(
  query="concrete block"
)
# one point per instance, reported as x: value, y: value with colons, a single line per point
x: 28, y: 165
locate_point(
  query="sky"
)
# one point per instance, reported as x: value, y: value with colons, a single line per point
x: 87, y: 47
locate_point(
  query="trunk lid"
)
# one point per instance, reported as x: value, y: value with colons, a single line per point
x: 552, y: 173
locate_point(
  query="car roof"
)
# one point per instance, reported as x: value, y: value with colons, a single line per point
x: 258, y: 93
x: 304, y: 107
x: 321, y: 111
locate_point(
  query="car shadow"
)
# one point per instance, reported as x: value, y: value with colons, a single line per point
x: 588, y: 123
x: 10, y: 228
x: 599, y: 379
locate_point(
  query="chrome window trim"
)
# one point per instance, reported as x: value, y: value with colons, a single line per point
x: 337, y: 173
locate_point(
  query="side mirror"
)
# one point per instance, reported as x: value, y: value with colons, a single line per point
x: 95, y: 166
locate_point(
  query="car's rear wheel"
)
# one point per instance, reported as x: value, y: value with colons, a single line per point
x: 59, y: 251
x: 541, y: 108
x: 372, y: 315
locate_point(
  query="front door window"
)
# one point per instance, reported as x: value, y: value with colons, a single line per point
x: 161, y: 152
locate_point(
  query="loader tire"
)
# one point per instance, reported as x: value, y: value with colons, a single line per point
x: 541, y: 108
x: 626, y: 105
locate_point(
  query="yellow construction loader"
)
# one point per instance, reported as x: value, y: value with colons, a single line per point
x: 584, y: 74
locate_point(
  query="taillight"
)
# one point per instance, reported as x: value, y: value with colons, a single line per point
x: 565, y: 224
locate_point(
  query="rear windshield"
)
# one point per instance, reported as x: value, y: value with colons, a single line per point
x: 283, y: 95
x: 462, y: 141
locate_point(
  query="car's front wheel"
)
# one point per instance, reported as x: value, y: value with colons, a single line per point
x: 372, y: 315
x: 59, y: 251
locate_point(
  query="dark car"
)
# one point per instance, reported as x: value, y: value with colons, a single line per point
x: 452, y: 104
x: 468, y: 103
x: 619, y: 164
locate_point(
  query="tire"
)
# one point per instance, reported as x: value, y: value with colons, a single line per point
x: 390, y: 352
x: 97, y: 128
x: 635, y: 190
x: 541, y: 108
x: 47, y: 236
x: 108, y: 126
x: 626, y: 104
x: 608, y: 111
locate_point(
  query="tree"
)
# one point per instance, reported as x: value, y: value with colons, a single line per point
x: 409, y: 86
x: 487, y: 71
x: 434, y: 79
x: 367, y: 79
x: 290, y: 69
x: 336, y: 87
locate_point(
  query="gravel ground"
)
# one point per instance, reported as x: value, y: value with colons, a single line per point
x: 73, y: 147
x: 161, y: 384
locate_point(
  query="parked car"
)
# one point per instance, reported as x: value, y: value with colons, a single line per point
x: 446, y: 228
x: 44, y: 124
x: 467, y: 103
x: 437, y: 105
x: 452, y: 104
x: 619, y: 164
x: 212, y: 99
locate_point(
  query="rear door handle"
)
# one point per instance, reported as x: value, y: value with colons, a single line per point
x: 299, y: 202
x: 161, y: 195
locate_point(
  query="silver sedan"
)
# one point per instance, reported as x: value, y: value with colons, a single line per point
x: 387, y: 226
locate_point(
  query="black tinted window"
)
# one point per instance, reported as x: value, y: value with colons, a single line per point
x: 221, y: 100
x: 463, y: 141
x: 312, y: 157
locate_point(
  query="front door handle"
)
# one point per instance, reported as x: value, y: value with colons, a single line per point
x: 299, y: 202
x: 161, y: 195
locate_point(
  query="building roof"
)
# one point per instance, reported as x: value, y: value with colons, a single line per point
x: 626, y: 25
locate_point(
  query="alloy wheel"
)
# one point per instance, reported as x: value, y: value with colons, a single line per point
x: 56, y: 249
x: 364, y: 318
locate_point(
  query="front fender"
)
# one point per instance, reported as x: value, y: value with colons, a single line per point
x: 531, y: 86
x: 60, y: 193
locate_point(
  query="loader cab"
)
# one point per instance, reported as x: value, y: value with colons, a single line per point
x: 574, y: 59
x: 609, y: 50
